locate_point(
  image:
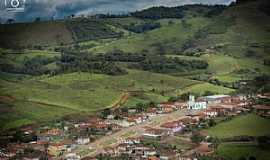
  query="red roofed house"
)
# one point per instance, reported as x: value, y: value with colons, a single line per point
x: 167, y: 107
x: 172, y: 127
x: 152, y: 111
x: 132, y: 140
x: 262, y: 110
x: 154, y: 133
x: 136, y: 119
x: 210, y: 113
x: 153, y: 158
x: 203, y: 149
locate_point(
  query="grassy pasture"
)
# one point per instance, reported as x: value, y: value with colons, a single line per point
x: 45, y: 98
x: 250, y: 125
x: 200, y: 89
x: 235, y: 151
x: 168, y: 34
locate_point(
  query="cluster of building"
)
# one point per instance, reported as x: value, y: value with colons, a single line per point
x: 64, y: 137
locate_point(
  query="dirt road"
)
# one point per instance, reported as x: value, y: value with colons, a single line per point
x: 97, y: 147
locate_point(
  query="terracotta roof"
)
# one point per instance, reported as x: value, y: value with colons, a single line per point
x: 154, y: 130
x: 211, y: 110
x: 151, y: 110
x: 89, y: 158
x: 173, y: 124
x: 94, y: 119
x: 203, y: 148
x: 167, y: 103
x: 262, y: 107
x: 153, y: 158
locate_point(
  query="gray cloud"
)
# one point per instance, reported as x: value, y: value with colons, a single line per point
x: 61, y: 8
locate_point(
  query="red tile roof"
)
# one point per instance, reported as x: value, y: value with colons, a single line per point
x: 173, y: 124
x: 262, y: 107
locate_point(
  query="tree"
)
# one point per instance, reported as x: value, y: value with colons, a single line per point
x: 38, y: 19
x: 208, y: 93
x: 252, y: 158
x: 263, y: 141
x: 211, y: 123
x: 184, y: 96
x: 196, y: 138
x: 106, y: 112
x: 9, y: 21
x: 242, y: 158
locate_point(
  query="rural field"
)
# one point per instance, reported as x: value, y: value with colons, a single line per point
x: 235, y: 151
x: 246, y: 125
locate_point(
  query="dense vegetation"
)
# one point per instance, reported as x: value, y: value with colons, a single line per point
x: 90, y: 29
x: 140, y: 28
x: 106, y: 63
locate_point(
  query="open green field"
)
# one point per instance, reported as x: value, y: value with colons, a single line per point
x: 54, y: 97
x: 201, y: 88
x: 167, y: 36
x: 236, y: 151
x: 245, y: 125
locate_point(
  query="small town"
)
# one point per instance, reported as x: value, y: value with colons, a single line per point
x: 134, y: 79
x: 169, y: 130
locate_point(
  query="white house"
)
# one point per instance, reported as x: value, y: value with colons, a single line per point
x: 196, y: 105
x: 216, y: 99
x: 211, y: 113
x: 72, y: 156
x: 83, y: 140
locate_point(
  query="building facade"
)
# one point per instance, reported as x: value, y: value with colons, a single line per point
x: 195, y: 105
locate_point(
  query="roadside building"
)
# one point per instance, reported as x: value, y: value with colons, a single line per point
x: 83, y: 140
x: 262, y: 110
x: 196, y: 105
x: 167, y: 107
x: 173, y: 127
x: 211, y: 113
x: 203, y: 149
x: 151, y: 111
x: 137, y: 119
x: 154, y: 133
x: 216, y: 99
x: 132, y: 141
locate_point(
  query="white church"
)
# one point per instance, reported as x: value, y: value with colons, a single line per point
x: 193, y: 105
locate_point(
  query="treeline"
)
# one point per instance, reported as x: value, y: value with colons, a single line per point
x: 144, y: 27
x: 162, y: 64
x: 159, y: 13
x: 83, y: 62
x: 31, y: 66
x: 179, y: 12
x: 90, y: 29
x: 107, y: 63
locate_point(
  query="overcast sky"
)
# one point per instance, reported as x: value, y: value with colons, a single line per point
x: 61, y: 8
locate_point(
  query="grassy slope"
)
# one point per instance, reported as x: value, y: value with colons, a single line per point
x: 169, y: 34
x: 249, y: 30
x: 250, y: 124
x: 234, y: 152
x: 43, y: 33
x: 43, y: 98
x: 199, y: 89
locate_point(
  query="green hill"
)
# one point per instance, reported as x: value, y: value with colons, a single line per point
x: 82, y: 65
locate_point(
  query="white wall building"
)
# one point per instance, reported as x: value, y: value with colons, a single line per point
x: 192, y: 104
